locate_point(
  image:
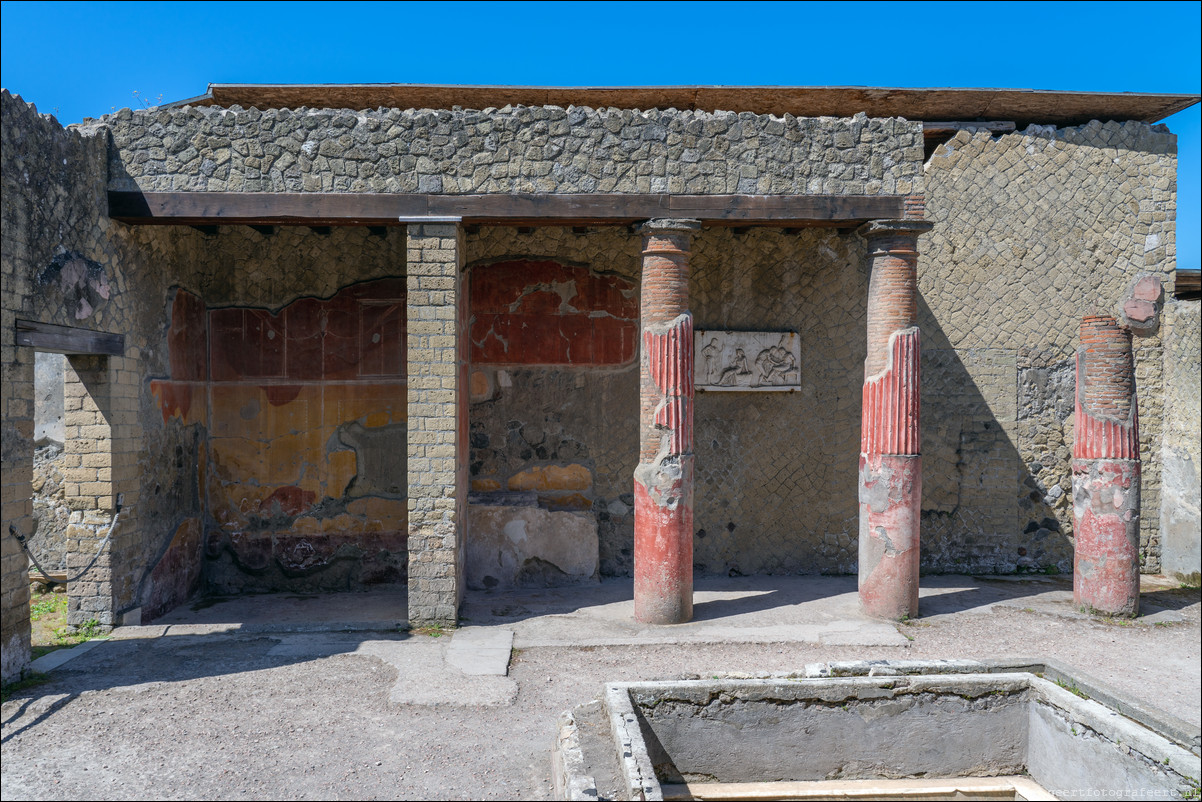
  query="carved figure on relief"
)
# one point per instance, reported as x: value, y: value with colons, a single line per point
x: 723, y: 363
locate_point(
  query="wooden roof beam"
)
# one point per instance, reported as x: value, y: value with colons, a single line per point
x: 318, y: 209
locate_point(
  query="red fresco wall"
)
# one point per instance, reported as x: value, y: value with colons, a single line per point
x: 541, y: 312
x: 305, y: 409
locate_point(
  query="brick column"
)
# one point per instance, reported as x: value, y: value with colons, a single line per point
x: 890, y: 434
x: 88, y: 482
x: 436, y: 411
x: 663, y: 481
x: 1106, y: 471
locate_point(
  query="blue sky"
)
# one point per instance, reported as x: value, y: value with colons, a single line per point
x: 83, y: 59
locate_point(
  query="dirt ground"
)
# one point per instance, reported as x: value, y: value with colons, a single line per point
x: 225, y: 716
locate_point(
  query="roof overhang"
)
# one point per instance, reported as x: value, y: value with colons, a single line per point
x: 1020, y: 106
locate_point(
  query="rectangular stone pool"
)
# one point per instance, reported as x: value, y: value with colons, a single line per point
x: 896, y: 730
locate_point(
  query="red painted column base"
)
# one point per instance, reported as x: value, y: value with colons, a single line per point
x: 663, y: 542
x: 890, y: 510
x: 1106, y: 529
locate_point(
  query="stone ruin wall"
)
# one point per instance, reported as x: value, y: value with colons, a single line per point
x: 542, y: 149
x: 1051, y: 222
x: 1180, y: 519
x: 1047, y: 220
x: 65, y: 262
x: 1033, y: 230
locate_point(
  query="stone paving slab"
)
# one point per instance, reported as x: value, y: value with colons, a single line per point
x: 481, y: 651
x: 51, y: 661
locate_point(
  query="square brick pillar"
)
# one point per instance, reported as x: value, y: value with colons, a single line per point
x: 437, y: 422
x: 88, y: 481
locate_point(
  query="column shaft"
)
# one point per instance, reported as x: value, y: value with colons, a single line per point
x: 1106, y: 471
x: 663, y: 481
x: 891, y: 434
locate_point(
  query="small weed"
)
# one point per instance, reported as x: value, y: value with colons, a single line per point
x: 1165, y: 624
x: 30, y: 681
x: 905, y: 635
x: 1072, y: 688
x: 1073, y: 728
x: 1028, y: 609
x: 147, y: 102
x: 50, y: 604
x: 432, y: 631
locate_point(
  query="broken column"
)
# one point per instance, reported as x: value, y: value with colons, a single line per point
x: 890, y: 435
x: 1106, y: 471
x: 663, y: 481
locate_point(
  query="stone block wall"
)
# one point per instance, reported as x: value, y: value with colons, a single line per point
x: 437, y: 422
x: 64, y: 262
x: 1033, y: 230
x: 513, y: 149
x: 1180, y: 518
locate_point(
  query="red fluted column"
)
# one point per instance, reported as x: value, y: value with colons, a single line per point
x: 1106, y: 471
x: 663, y: 481
x: 891, y: 434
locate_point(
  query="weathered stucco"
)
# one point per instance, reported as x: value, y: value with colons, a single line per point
x: 1180, y: 518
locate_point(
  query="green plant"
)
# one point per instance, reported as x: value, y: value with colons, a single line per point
x: 432, y: 631
x: 1071, y: 687
x: 49, y: 605
x: 29, y: 681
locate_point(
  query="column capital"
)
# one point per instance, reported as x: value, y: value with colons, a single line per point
x: 893, y: 228
x: 668, y: 225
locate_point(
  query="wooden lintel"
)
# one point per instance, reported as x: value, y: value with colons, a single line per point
x: 358, y: 209
x: 68, y: 339
x: 950, y: 128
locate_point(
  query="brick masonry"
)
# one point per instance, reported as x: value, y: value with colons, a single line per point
x: 437, y: 427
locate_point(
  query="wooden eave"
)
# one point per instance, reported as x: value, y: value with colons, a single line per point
x: 379, y: 209
x: 1020, y: 106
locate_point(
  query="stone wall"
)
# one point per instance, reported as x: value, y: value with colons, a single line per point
x: 1180, y: 519
x: 1032, y: 230
x: 51, y: 514
x: 513, y: 149
x: 65, y: 262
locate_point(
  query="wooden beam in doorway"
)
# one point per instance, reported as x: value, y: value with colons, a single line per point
x: 68, y: 339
